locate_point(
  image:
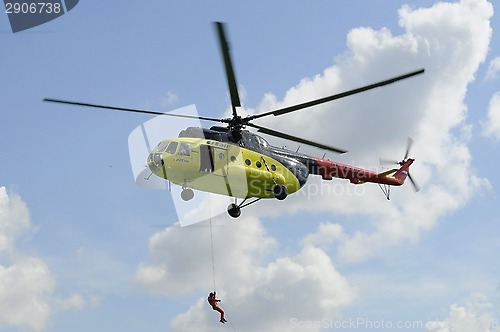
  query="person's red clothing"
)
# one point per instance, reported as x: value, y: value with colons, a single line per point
x: 212, y: 300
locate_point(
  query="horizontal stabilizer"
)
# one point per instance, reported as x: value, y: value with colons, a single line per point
x: 381, y: 175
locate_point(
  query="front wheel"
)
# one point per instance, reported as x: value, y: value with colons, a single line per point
x: 187, y: 194
x: 234, y: 210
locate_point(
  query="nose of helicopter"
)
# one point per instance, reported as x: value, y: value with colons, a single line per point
x: 155, y: 162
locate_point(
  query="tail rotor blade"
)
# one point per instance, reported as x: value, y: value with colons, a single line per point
x: 408, y: 147
x: 388, y: 161
x: 415, y: 185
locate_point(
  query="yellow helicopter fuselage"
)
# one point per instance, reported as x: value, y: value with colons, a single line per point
x: 220, y: 167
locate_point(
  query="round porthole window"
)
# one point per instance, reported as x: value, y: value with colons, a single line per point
x: 273, y: 168
x: 248, y: 162
x: 258, y: 164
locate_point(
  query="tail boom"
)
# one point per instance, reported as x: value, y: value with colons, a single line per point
x: 330, y: 169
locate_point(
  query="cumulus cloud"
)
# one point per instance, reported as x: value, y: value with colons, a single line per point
x: 249, y: 278
x: 181, y: 258
x: 289, y: 290
x: 326, y: 233
x: 27, y: 284
x: 14, y: 219
x: 449, y: 40
x: 25, y: 292
x: 492, y: 126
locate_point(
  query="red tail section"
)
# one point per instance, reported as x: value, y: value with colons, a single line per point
x: 402, y: 173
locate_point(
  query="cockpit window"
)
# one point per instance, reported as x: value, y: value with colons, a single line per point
x: 184, y: 150
x: 161, y: 147
x: 172, y: 147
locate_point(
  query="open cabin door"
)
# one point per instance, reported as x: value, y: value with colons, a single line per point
x: 213, y: 160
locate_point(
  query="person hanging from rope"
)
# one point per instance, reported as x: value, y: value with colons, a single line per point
x: 213, y: 300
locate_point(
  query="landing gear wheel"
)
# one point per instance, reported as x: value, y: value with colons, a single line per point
x: 280, y: 192
x: 234, y: 210
x: 187, y: 194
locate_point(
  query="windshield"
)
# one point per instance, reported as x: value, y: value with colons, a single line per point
x: 161, y: 146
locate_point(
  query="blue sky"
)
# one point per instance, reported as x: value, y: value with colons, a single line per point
x: 83, y: 248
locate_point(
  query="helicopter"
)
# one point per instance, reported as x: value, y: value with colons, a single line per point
x: 233, y: 161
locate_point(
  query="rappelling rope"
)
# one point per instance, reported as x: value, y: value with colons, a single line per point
x: 212, y: 247
x: 211, y: 240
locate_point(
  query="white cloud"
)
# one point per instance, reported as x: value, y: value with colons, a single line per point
x: 305, y: 287
x: 450, y: 40
x: 248, y: 278
x: 77, y: 302
x: 14, y: 219
x: 492, y: 127
x: 181, y: 257
x: 326, y: 233
x: 473, y: 314
x: 27, y: 284
x: 493, y: 69
x: 25, y: 292
x: 169, y: 99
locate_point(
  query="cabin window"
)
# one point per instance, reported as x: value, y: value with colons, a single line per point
x: 273, y: 167
x: 233, y: 158
x: 248, y: 162
x: 172, y: 147
x: 184, y: 150
x: 258, y: 164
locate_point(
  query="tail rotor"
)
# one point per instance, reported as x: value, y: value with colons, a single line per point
x: 409, y: 145
x: 415, y: 185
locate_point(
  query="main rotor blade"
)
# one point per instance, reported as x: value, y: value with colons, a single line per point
x: 336, y: 96
x: 130, y: 110
x: 294, y: 138
x: 231, y: 79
